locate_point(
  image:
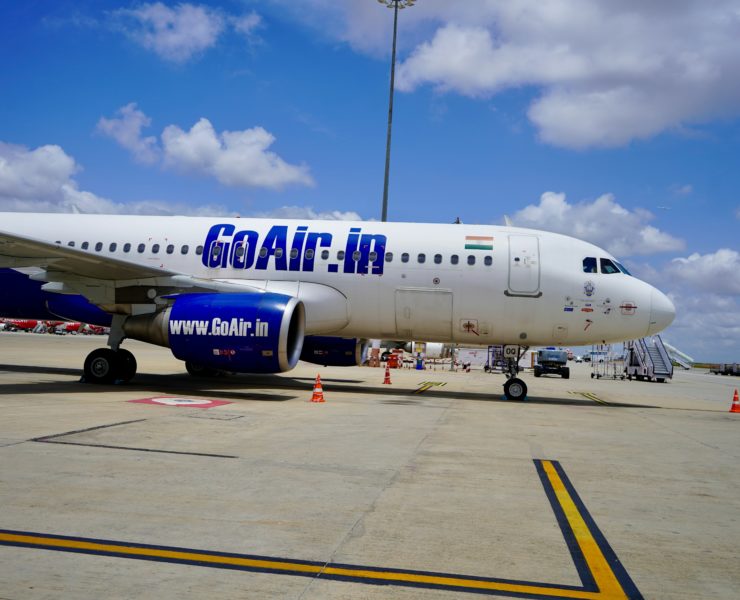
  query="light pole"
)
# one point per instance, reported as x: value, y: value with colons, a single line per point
x: 396, y: 5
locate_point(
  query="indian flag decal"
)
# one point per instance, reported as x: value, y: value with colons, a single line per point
x: 478, y: 242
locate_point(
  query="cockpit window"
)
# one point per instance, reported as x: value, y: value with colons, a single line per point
x: 608, y: 267
x: 589, y: 264
x: 623, y: 269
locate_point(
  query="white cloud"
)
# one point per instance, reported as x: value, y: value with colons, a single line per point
x: 605, y: 73
x: 235, y: 158
x: 126, y: 130
x: 308, y: 212
x: 174, y: 34
x: 42, y: 180
x: 178, y: 34
x: 604, y: 222
x: 718, y: 272
x: 683, y: 190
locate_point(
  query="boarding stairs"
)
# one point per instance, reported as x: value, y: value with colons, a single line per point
x: 648, y: 360
x: 680, y: 358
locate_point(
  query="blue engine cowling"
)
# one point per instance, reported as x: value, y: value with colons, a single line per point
x: 243, y: 333
x: 333, y: 351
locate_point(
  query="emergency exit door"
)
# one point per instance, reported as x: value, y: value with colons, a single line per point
x: 524, y: 266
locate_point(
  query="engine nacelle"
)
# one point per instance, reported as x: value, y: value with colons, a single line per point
x: 333, y: 351
x: 244, y: 333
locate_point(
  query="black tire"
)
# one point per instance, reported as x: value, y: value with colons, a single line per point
x: 197, y: 370
x: 661, y: 380
x: 515, y: 389
x: 537, y: 371
x: 565, y: 373
x: 126, y: 365
x: 101, y: 366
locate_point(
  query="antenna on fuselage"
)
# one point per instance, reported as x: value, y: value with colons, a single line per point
x: 507, y: 221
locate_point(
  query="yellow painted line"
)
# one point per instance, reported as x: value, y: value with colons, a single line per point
x: 603, y: 574
x: 426, y: 385
x: 591, y: 396
x: 607, y: 583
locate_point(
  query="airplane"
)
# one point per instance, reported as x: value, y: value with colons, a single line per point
x: 257, y: 295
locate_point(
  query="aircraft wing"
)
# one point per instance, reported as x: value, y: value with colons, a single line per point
x: 21, y: 251
x: 111, y: 282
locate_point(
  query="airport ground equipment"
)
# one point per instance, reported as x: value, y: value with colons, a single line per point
x: 607, y: 362
x: 726, y: 369
x: 648, y: 360
x: 551, y: 361
x: 680, y: 358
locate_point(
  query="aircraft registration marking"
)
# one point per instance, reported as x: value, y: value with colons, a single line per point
x: 602, y: 575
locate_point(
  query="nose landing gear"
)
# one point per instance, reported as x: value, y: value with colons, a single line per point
x: 514, y: 388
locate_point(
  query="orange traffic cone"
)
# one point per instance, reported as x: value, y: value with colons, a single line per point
x: 318, y: 391
x: 387, y: 380
x: 735, y: 404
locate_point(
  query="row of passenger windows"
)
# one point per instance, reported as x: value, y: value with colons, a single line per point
x: 140, y: 248
x: 356, y: 255
x: 608, y: 267
x: 325, y: 254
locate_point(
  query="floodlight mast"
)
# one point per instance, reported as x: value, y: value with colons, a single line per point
x: 396, y: 5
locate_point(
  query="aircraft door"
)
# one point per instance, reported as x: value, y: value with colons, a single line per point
x: 424, y: 314
x: 524, y: 266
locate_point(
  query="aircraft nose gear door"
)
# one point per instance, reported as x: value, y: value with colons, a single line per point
x: 524, y: 266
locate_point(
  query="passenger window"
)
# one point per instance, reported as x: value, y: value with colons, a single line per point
x: 263, y: 252
x: 309, y: 254
x: 140, y: 248
x: 325, y: 254
x: 185, y: 249
x: 389, y: 257
x: 239, y: 251
x: 454, y: 259
x: 437, y: 259
x: 215, y: 250
x: 170, y: 248
x: 356, y: 255
x: 199, y: 250
x: 155, y: 248
x: 405, y: 257
x: 622, y: 268
x: 340, y: 255
x: 278, y: 252
x: 488, y: 261
x: 471, y: 259
x: 422, y: 258
x: 127, y: 247
x: 293, y: 252
x: 373, y: 256
x: 112, y: 247
x: 71, y: 244
x: 98, y: 246
x: 85, y: 245
x: 608, y: 267
x: 589, y: 264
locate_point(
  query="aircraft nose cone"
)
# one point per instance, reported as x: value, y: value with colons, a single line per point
x: 662, y: 312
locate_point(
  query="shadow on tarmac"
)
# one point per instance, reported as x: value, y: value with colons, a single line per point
x: 236, y: 387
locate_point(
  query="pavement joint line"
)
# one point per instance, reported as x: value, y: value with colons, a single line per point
x: 591, y: 396
x: 602, y: 575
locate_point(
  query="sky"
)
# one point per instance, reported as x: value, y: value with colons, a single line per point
x: 617, y: 122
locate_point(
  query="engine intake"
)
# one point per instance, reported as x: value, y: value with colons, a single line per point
x: 244, y: 333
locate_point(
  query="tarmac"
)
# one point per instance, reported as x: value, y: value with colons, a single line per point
x: 431, y: 487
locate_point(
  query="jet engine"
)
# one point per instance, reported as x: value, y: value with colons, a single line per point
x: 242, y: 333
x: 333, y: 351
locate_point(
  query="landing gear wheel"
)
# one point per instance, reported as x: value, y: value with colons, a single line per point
x: 101, y: 366
x: 126, y: 365
x: 515, y: 389
x: 197, y: 370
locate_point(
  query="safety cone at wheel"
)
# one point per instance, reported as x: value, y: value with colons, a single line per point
x: 387, y: 380
x: 318, y: 391
x: 735, y: 404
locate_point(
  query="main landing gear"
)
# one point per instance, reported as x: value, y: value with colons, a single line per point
x: 110, y: 365
x: 514, y: 388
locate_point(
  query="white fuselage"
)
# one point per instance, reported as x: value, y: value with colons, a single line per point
x: 466, y: 284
